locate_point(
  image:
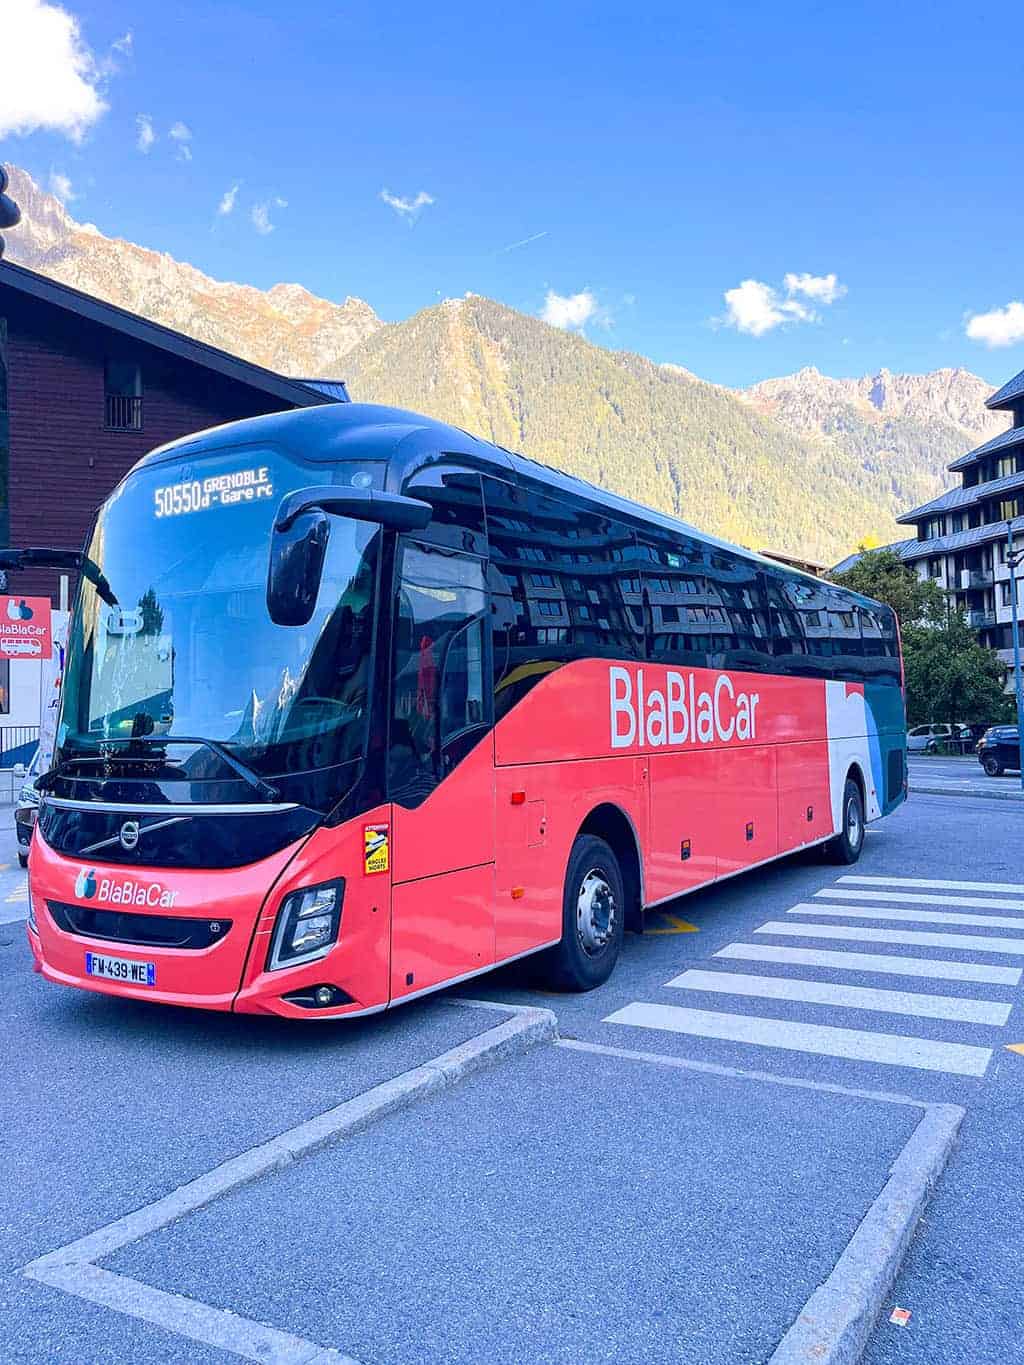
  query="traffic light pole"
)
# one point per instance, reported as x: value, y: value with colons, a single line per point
x: 1013, y: 558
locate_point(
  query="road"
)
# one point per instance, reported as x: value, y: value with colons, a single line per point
x: 670, y: 1181
x: 961, y: 776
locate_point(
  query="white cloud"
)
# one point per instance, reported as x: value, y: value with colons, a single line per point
x: 146, y: 134
x: 50, y: 77
x: 1000, y: 327
x: 572, y: 312
x: 261, y: 214
x: 822, y: 288
x: 514, y: 246
x: 181, y: 133
x: 756, y: 308
x: 124, y: 45
x: 227, y: 201
x: 409, y: 209
x: 60, y: 185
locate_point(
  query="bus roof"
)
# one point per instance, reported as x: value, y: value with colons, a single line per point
x: 408, y: 441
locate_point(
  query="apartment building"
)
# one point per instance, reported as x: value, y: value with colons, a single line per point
x: 961, y: 539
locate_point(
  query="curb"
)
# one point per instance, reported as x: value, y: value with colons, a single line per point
x: 836, y: 1321
x: 527, y: 1027
x: 916, y: 790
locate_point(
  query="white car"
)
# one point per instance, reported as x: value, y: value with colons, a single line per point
x: 925, y: 739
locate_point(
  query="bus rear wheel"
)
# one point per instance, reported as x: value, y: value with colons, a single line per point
x: 593, y: 918
x: 846, y: 846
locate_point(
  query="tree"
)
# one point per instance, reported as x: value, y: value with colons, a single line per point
x: 951, y: 676
x: 881, y: 574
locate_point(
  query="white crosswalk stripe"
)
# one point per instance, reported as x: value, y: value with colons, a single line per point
x: 973, y: 942
x: 922, y: 898
x: 910, y: 916
x: 888, y: 1048
x: 888, y: 964
x: 932, y: 884
x: 959, y: 906
x: 849, y: 997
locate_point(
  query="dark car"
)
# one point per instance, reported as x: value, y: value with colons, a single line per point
x: 26, y: 807
x: 999, y: 749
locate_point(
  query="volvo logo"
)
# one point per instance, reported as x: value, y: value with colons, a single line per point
x: 129, y: 835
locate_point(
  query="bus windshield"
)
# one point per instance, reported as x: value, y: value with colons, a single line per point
x: 183, y: 644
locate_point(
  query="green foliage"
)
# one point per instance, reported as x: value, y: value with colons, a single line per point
x: 881, y: 574
x: 951, y: 677
x: 643, y: 430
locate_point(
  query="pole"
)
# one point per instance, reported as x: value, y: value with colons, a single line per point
x: 1011, y: 559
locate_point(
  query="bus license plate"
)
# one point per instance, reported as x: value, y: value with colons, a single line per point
x: 120, y: 969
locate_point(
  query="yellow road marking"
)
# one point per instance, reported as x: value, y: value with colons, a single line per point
x: 1014, y: 1047
x: 677, y: 926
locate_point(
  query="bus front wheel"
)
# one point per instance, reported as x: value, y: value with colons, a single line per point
x: 593, y: 918
x: 846, y: 846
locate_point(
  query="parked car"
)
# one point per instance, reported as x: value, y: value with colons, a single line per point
x: 926, y: 739
x: 26, y: 807
x: 999, y: 749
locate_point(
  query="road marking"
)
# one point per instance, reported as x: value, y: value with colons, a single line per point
x: 891, y: 1049
x: 921, y: 916
x: 886, y: 963
x: 1015, y: 1047
x: 932, y: 884
x: 19, y: 894
x: 991, y: 1012
x: 923, y: 898
x: 675, y: 926
x: 973, y: 942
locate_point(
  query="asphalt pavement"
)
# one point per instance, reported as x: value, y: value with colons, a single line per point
x: 961, y: 776
x: 670, y: 1181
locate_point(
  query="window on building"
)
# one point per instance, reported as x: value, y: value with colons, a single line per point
x: 1008, y: 507
x: 122, y: 385
x: 1006, y: 465
x: 935, y: 568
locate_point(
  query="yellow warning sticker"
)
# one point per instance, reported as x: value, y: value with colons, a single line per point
x: 376, y: 848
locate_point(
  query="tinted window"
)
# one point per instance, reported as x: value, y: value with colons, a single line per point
x: 677, y: 598
x: 738, y: 602
x: 847, y: 646
x: 458, y: 509
x: 565, y: 584
x: 438, y: 693
x: 880, y: 644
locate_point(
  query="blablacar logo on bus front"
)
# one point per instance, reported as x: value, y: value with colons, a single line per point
x: 122, y: 891
x: 85, y: 884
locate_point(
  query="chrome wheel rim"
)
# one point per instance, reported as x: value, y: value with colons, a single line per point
x: 854, y: 824
x: 595, y: 912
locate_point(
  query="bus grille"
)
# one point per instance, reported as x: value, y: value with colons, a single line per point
x: 147, y: 931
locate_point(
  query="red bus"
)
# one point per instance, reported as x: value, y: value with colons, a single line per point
x: 357, y: 706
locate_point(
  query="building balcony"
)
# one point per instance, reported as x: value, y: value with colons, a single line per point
x: 975, y: 578
x: 978, y: 620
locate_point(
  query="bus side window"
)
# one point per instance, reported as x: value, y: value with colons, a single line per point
x: 741, y: 634
x: 458, y: 507
x: 438, y: 696
x: 847, y: 645
x: 681, y: 613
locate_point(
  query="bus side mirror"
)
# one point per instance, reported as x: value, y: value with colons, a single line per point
x: 296, y: 567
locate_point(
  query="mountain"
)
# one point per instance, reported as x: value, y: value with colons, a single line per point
x: 652, y: 432
x: 804, y: 464
x: 926, y: 419
x: 285, y: 328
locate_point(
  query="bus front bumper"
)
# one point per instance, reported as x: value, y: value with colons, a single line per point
x: 88, y: 923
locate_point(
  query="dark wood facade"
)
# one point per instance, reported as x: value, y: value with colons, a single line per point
x: 62, y: 456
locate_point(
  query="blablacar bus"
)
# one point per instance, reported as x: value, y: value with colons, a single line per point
x: 358, y: 706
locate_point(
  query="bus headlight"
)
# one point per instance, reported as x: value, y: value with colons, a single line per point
x: 307, y: 925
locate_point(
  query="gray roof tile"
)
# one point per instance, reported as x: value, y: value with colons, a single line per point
x: 1012, y: 392
x: 1004, y: 441
x: 963, y: 497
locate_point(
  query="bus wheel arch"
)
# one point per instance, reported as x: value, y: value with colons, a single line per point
x: 847, y: 846
x: 611, y: 823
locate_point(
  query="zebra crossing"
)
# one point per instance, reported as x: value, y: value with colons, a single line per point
x: 865, y: 931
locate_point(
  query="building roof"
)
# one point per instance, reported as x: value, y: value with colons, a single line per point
x: 1006, y: 440
x: 963, y: 497
x: 41, y: 287
x: 959, y: 540
x: 898, y: 546
x: 1009, y: 395
x: 335, y: 389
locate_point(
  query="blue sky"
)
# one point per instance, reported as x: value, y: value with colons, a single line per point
x: 741, y: 189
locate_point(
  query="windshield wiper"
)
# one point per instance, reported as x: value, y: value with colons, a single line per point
x: 42, y: 557
x: 265, y: 789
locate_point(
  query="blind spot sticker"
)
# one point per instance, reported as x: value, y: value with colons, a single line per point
x: 376, y: 849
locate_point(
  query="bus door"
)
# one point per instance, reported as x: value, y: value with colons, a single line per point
x: 440, y: 770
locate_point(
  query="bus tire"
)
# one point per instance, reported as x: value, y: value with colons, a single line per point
x: 847, y: 845
x: 593, y: 918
